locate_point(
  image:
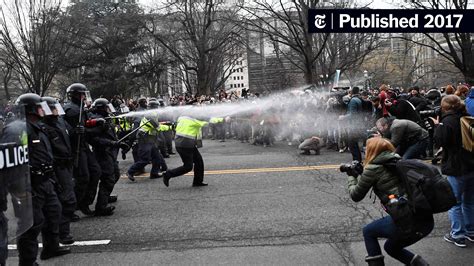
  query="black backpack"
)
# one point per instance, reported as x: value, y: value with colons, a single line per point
x: 426, y: 188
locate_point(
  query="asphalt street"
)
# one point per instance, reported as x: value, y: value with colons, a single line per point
x: 263, y: 206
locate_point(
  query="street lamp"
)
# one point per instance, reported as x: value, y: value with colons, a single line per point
x: 366, y: 77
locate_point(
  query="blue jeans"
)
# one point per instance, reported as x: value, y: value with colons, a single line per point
x: 461, y: 215
x: 416, y: 150
x: 385, y: 228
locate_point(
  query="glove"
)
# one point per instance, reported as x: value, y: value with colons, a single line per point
x: 80, y: 130
x: 124, y: 146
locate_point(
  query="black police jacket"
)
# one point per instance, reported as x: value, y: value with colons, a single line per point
x: 40, y: 153
x: 73, y: 111
x: 59, y: 137
x: 102, y: 138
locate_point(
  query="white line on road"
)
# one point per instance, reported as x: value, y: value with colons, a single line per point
x: 77, y: 243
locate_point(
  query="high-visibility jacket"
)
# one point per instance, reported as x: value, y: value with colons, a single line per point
x: 123, y: 124
x: 148, y: 127
x: 188, y: 132
x: 216, y: 120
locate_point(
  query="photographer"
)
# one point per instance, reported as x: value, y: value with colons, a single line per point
x: 385, y: 183
x: 458, y: 165
x: 409, y: 138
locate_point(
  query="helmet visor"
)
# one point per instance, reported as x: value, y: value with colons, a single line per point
x: 59, y: 108
x: 124, y: 109
x: 88, y: 96
x: 111, y: 108
x: 46, y: 109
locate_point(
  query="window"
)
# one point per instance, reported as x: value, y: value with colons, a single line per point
x: 242, y: 77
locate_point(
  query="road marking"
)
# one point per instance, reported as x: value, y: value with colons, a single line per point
x: 77, y: 243
x: 261, y: 170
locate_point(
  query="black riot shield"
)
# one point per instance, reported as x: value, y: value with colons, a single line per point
x: 15, y: 189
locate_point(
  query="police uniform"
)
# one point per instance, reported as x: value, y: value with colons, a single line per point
x: 63, y: 168
x: 188, y: 140
x: 46, y: 206
x: 148, y: 148
x: 87, y: 170
x: 105, y: 146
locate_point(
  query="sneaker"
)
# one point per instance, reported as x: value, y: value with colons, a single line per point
x: 470, y: 237
x: 460, y: 242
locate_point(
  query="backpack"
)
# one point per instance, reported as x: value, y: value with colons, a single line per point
x: 467, y: 132
x: 426, y: 188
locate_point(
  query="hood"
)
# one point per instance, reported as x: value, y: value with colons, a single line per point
x: 385, y: 157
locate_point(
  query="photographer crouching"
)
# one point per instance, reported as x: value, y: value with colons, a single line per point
x: 385, y: 184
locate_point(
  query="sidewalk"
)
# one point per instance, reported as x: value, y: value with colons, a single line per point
x: 435, y: 250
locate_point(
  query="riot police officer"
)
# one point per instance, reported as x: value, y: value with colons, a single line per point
x: 148, y: 148
x: 58, y: 134
x: 46, y: 206
x: 105, y: 147
x: 142, y: 106
x: 86, y: 168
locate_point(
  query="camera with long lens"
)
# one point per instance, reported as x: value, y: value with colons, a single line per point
x: 355, y: 168
x: 434, y: 112
x: 425, y: 116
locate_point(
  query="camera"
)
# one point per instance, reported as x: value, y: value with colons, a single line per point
x: 425, y: 116
x: 434, y: 112
x: 355, y: 168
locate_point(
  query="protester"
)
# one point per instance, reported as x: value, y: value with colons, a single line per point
x: 458, y: 165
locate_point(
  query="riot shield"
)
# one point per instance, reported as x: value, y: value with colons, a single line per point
x: 15, y: 187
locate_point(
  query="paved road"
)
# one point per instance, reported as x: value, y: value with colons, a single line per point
x: 263, y: 206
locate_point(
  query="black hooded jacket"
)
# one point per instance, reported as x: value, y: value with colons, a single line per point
x: 456, y: 160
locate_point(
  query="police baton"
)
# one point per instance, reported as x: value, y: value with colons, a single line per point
x: 131, y: 132
x: 78, y: 148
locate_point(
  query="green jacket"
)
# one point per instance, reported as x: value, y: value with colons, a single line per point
x: 377, y: 176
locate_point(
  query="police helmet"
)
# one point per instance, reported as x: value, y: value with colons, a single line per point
x: 31, y: 102
x: 77, y: 89
x: 142, y: 102
x: 153, y: 104
x: 103, y: 104
x: 161, y: 102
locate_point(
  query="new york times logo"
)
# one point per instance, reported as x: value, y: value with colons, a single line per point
x: 390, y: 20
x: 320, y: 21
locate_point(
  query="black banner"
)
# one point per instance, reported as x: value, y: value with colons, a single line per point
x: 390, y: 20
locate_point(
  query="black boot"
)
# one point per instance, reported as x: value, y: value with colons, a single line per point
x: 166, y: 179
x: 112, y: 199
x: 85, y: 209
x: 107, y: 211
x: 418, y: 261
x: 375, y: 260
x: 60, y: 251
x: 66, y: 240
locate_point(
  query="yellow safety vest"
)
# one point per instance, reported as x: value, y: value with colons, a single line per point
x: 216, y: 120
x: 148, y: 127
x: 189, y: 128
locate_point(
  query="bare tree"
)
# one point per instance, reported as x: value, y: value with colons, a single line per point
x: 34, y: 37
x: 285, y: 23
x: 456, y: 48
x: 202, y: 37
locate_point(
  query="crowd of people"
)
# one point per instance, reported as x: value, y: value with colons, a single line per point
x: 74, y: 148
